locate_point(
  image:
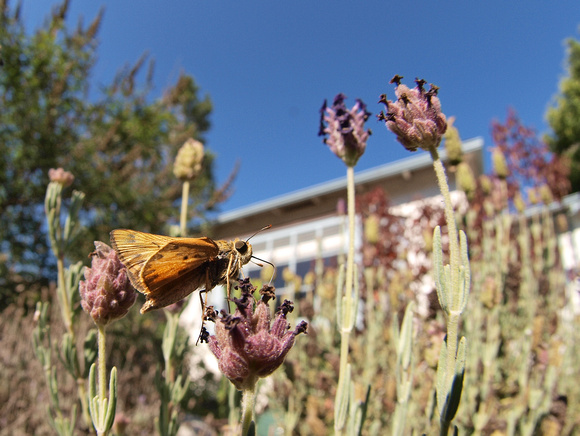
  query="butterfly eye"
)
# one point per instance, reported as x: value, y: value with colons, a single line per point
x: 241, y: 247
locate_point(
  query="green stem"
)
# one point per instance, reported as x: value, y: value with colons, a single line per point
x: 184, y: 204
x: 454, y: 262
x: 347, y: 315
x: 450, y: 219
x: 248, y: 396
x: 350, y: 257
x: 102, y: 362
x: 63, y: 296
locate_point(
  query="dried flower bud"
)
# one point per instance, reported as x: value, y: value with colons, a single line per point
x: 533, y: 196
x: 453, y: 143
x: 546, y: 194
x: 106, y: 292
x: 187, y: 164
x: 485, y: 183
x: 372, y: 227
x: 415, y: 117
x: 347, y: 137
x: 499, y: 164
x: 519, y: 202
x: 61, y: 176
x: 310, y: 278
x: 466, y: 179
x: 247, y: 345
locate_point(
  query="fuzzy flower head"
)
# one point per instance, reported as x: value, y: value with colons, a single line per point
x: 61, y: 176
x: 106, y: 292
x: 415, y: 117
x: 248, y: 344
x: 188, y: 163
x: 347, y: 137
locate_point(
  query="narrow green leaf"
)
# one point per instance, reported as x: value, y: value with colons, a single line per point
x: 442, y: 377
x: 342, y: 396
x: 405, y: 345
x: 339, y: 296
x: 353, y: 311
x: 454, y: 396
x: 438, y: 270
x: 364, y: 410
x: 93, y: 398
x: 112, y: 406
x: 465, y: 270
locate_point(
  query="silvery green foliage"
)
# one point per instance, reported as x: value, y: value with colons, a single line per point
x: 62, y: 238
x: 452, y: 296
x: 403, y: 339
x: 345, y: 319
x: 102, y: 409
x: 41, y: 340
x: 452, y: 292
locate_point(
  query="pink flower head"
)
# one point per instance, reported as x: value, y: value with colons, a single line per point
x: 415, y: 117
x: 347, y: 137
x: 247, y: 344
x: 106, y: 292
x: 61, y: 176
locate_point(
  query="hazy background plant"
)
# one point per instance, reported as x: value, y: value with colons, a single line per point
x: 118, y: 141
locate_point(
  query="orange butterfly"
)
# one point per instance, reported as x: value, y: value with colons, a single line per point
x: 168, y: 269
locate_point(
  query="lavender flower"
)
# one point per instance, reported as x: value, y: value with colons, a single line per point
x: 106, y: 293
x: 246, y: 345
x: 347, y: 137
x: 415, y: 117
x: 61, y: 176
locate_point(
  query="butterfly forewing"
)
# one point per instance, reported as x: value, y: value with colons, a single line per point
x: 134, y: 250
x: 175, y: 260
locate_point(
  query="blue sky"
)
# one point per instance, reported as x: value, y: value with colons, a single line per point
x: 268, y: 66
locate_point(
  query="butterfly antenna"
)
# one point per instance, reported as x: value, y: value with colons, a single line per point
x: 269, y: 263
x: 269, y: 226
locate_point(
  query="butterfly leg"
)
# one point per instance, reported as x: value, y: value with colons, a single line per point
x: 203, y: 302
x: 228, y: 273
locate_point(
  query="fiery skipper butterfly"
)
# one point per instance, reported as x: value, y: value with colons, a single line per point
x: 166, y: 269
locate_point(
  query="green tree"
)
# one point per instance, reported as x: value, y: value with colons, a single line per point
x: 564, y: 115
x: 119, y: 144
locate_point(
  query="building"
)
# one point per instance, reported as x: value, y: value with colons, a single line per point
x: 305, y: 223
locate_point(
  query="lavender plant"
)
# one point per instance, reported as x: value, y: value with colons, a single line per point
x: 171, y: 385
x: 416, y: 118
x: 344, y: 132
x: 61, y: 239
x: 249, y: 347
x: 106, y: 295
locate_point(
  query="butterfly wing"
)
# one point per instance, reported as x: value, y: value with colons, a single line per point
x: 158, y: 264
x: 134, y: 250
x: 176, y: 259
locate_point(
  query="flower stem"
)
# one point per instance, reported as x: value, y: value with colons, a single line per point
x: 454, y: 311
x: 248, y: 396
x: 63, y: 296
x: 102, y: 361
x: 346, y: 323
x: 184, y: 204
x: 350, y: 256
x: 449, y: 217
